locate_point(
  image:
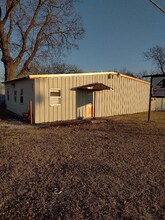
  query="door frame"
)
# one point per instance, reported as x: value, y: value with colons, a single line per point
x: 92, y: 104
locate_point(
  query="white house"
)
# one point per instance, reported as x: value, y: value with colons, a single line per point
x: 59, y: 97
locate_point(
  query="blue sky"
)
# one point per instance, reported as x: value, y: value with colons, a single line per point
x: 117, y: 34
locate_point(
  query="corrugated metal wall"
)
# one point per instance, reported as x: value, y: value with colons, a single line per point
x: 2, y: 93
x: 28, y: 94
x: 160, y: 104
x: 128, y: 96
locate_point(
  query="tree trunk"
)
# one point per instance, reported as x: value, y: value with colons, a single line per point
x: 10, y: 71
x: 10, y: 66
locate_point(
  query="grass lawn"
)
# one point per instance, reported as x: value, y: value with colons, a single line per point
x: 157, y: 117
x: 111, y: 170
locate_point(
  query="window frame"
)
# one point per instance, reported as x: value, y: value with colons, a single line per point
x: 52, y: 98
x: 21, y: 96
x: 15, y: 95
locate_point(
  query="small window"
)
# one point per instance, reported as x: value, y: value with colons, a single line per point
x: 21, y: 96
x: 55, y: 96
x: 8, y: 96
x: 15, y: 96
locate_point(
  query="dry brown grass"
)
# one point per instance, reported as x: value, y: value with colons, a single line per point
x: 112, y: 170
x: 157, y: 117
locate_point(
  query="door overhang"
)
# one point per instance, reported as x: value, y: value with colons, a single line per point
x: 93, y: 87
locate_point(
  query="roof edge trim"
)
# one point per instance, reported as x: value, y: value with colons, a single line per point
x: 37, y: 76
x: 69, y: 74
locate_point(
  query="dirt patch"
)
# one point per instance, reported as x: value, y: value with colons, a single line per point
x: 111, y: 170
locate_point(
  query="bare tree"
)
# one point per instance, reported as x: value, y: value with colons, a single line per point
x: 65, y: 68
x: 54, y: 68
x: 157, y: 56
x: 30, y: 29
x: 127, y: 72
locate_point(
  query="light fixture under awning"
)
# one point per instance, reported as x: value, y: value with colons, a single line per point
x: 93, y: 87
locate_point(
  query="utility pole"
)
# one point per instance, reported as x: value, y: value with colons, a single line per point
x: 156, y: 5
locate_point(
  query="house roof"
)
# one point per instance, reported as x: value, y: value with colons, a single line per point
x: 37, y: 76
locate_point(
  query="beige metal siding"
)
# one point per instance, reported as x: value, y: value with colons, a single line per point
x: 128, y: 96
x: 160, y: 104
x: 17, y: 107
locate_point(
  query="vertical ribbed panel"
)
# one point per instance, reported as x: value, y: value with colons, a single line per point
x: 28, y: 95
x: 159, y: 104
x: 128, y: 96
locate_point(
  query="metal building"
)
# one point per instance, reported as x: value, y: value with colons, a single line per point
x: 160, y: 104
x: 60, y: 97
x: 2, y: 93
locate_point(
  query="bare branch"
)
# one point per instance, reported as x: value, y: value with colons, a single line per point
x: 157, y: 56
x: 36, y: 45
x: 10, y: 28
x: 30, y: 29
x: 10, y: 7
x: 26, y: 34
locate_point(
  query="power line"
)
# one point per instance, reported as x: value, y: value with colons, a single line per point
x: 156, y: 5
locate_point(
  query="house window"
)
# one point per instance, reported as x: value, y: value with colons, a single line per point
x: 55, y: 96
x: 15, y: 96
x: 21, y: 96
x: 8, y: 97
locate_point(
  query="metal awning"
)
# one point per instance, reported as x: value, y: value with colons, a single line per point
x: 93, y: 87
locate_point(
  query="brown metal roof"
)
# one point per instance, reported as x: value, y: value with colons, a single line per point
x: 93, y: 87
